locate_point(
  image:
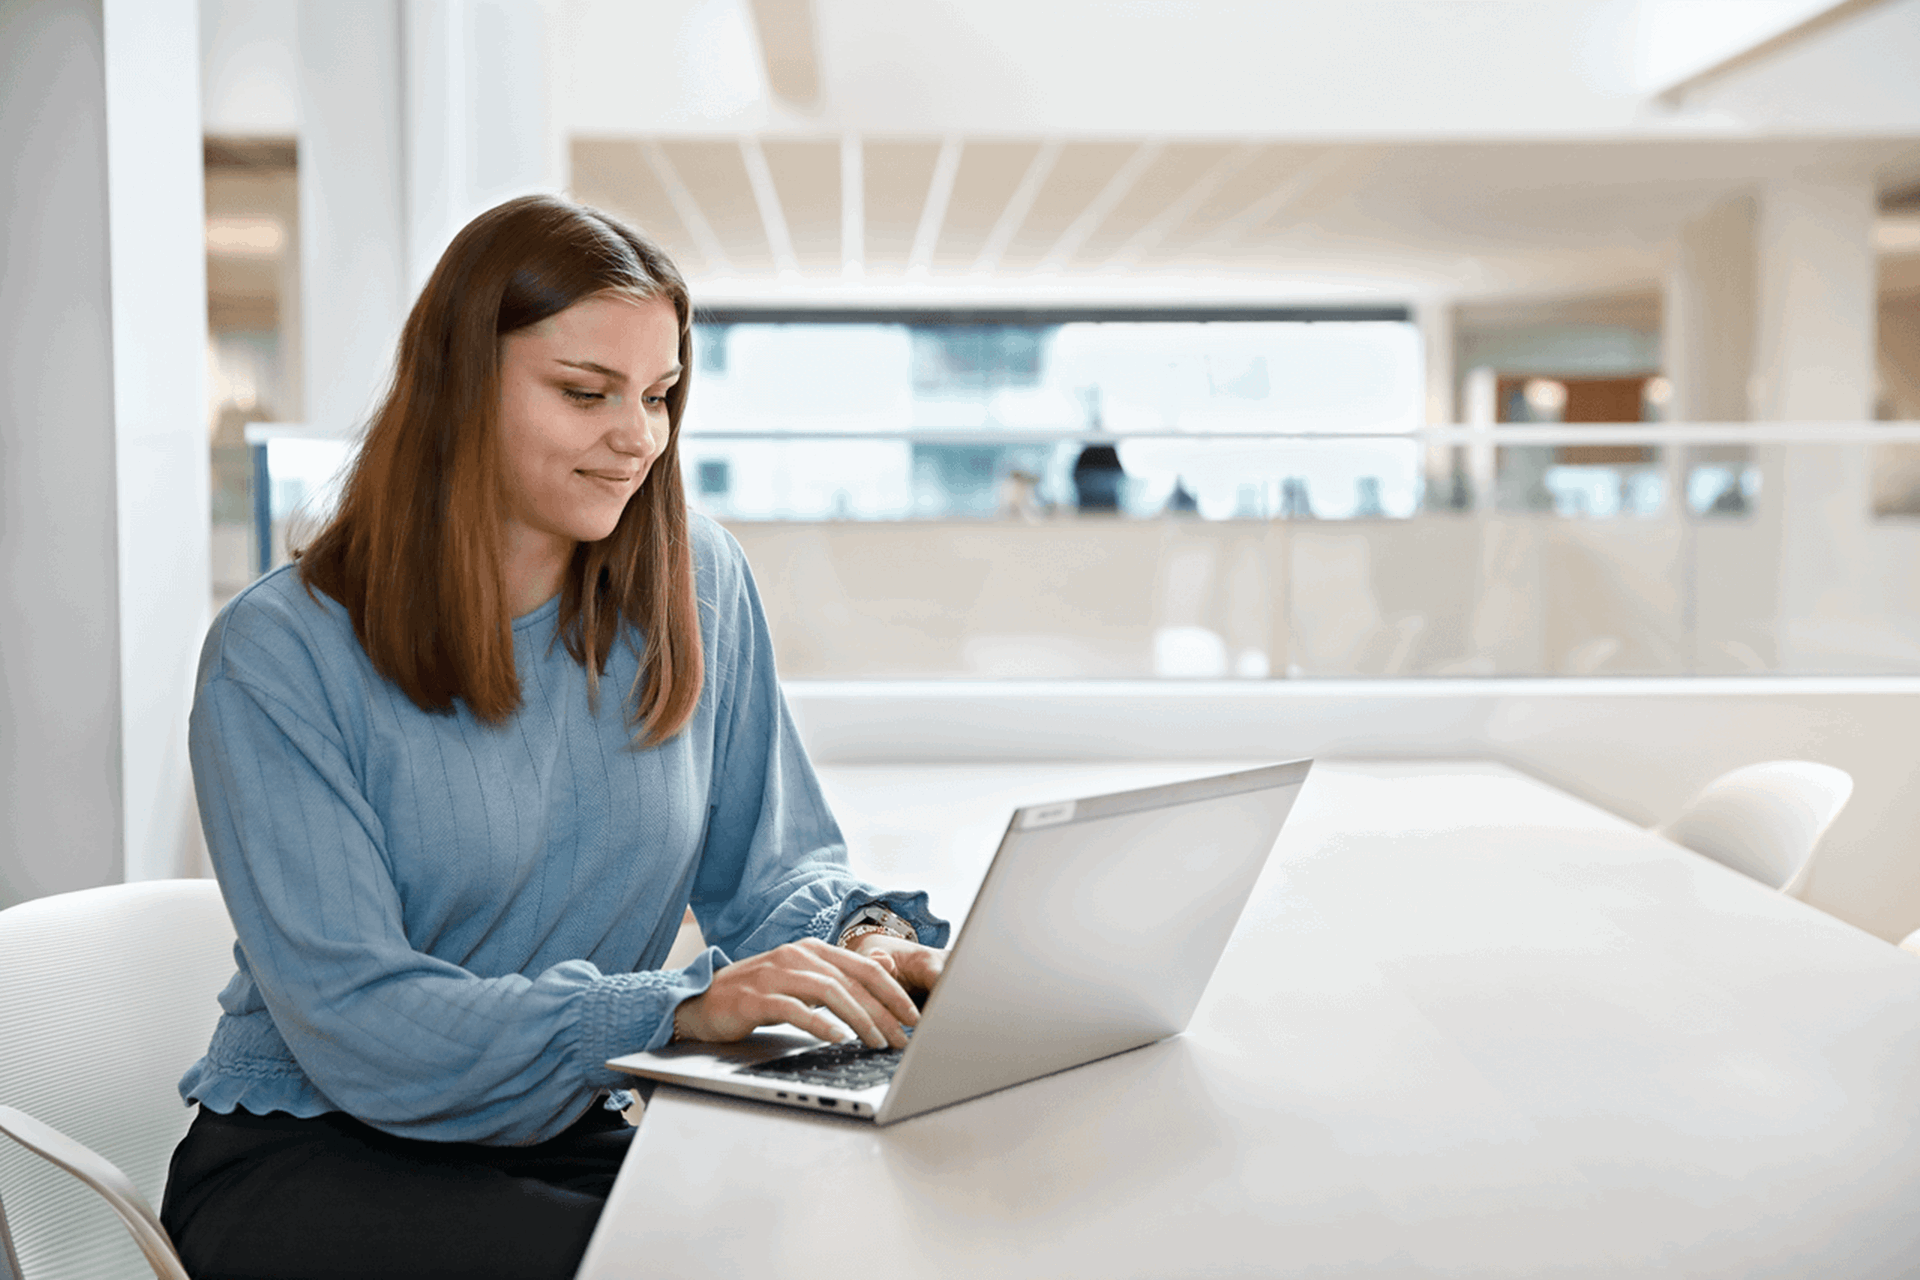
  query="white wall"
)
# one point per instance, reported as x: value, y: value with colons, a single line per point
x: 59, y: 632
x: 103, y: 463
x: 1641, y: 748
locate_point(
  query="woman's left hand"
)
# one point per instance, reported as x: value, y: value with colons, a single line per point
x: 915, y: 967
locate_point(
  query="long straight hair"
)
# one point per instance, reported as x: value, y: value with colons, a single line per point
x: 416, y: 549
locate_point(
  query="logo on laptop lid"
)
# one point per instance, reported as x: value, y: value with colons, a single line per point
x: 1046, y: 815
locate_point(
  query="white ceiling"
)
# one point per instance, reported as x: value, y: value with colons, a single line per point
x: 1195, y: 150
x: 1279, y: 150
x: 1306, y: 70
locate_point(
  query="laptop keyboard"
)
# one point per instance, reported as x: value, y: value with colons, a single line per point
x: 844, y: 1066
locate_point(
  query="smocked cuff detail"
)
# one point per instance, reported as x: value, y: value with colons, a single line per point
x: 629, y: 1012
x: 823, y: 922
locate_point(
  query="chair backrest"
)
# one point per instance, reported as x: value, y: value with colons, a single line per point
x: 106, y: 997
x: 1765, y: 820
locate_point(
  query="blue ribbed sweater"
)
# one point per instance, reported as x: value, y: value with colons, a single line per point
x: 445, y: 928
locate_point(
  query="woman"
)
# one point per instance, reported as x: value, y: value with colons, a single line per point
x: 461, y: 770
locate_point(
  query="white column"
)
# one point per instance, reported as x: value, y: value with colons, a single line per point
x: 103, y: 537
x: 415, y: 115
x: 476, y: 117
x: 1815, y: 315
x: 1479, y: 393
x: 1814, y: 338
x: 1435, y: 320
x: 157, y: 228
x: 1730, y: 572
x: 352, y: 208
x: 1708, y: 323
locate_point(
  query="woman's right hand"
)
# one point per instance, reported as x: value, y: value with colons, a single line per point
x: 820, y: 988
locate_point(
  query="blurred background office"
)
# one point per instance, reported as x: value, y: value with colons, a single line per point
x: 1526, y: 379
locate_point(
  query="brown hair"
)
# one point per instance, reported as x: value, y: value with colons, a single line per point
x: 415, y: 549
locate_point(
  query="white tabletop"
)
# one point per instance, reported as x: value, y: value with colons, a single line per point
x: 1469, y: 1025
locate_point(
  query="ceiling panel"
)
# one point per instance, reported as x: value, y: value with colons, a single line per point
x: 1319, y: 194
x: 806, y: 174
x: 897, y: 172
x: 1168, y: 178
x: 715, y: 176
x: 1081, y: 172
x: 988, y: 175
x: 1469, y: 219
x: 1264, y: 172
x: 614, y: 175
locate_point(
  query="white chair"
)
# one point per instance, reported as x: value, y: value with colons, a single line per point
x: 1765, y: 820
x: 106, y: 996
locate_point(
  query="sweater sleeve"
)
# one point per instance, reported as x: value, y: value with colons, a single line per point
x: 404, y: 1041
x: 774, y: 866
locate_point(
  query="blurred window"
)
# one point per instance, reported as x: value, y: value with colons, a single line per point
x: 967, y: 417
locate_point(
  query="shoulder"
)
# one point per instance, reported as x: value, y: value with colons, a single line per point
x: 277, y: 630
x: 719, y: 565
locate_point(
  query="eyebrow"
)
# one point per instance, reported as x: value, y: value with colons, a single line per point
x: 592, y: 366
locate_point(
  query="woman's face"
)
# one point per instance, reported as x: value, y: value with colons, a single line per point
x: 583, y: 415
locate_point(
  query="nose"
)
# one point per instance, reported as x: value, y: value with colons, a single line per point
x: 636, y: 434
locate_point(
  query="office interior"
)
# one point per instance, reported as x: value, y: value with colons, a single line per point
x: 1411, y: 380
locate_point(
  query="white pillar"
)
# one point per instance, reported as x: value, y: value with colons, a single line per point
x: 1814, y: 340
x: 475, y: 122
x: 1707, y: 326
x: 104, y: 531
x: 415, y: 115
x: 1730, y: 573
x: 1434, y: 317
x: 1435, y: 320
x: 1480, y: 392
x: 353, y: 239
x: 1816, y: 302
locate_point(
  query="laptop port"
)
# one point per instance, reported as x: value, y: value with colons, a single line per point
x: 829, y: 1102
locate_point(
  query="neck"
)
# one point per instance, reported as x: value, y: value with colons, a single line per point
x: 536, y: 565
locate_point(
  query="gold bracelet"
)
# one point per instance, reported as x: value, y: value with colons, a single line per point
x: 877, y: 918
x: 859, y: 931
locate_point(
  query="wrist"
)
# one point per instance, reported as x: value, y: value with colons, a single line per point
x: 875, y: 919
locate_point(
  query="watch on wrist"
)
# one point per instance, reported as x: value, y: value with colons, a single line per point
x: 874, y: 918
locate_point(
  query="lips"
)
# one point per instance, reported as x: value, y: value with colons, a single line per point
x: 612, y: 477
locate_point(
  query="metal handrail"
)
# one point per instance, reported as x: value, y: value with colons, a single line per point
x: 1647, y: 433
x: 1633, y: 433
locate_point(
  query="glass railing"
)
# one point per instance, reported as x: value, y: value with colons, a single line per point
x: 1646, y: 550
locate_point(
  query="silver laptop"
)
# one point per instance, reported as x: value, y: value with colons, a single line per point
x: 1096, y: 929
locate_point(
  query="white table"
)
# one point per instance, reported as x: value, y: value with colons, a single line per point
x: 1469, y: 1026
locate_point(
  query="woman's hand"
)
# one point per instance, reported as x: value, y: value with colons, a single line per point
x: 913, y: 966
x: 809, y: 984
